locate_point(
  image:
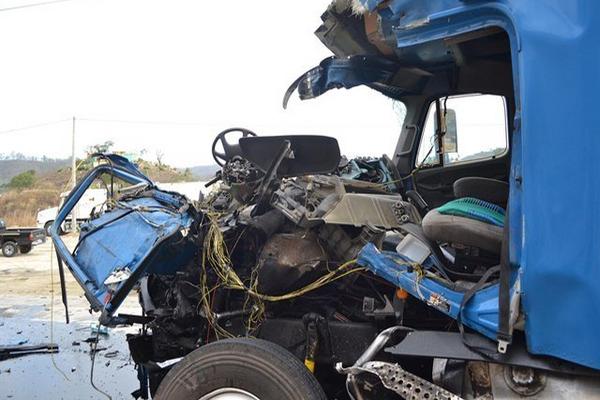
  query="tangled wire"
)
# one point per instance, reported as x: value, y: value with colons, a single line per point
x: 215, y: 255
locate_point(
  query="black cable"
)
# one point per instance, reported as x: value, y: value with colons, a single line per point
x: 97, y: 228
x: 483, y: 351
x: 139, y: 122
x: 93, y: 350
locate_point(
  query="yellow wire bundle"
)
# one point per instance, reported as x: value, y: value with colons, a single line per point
x: 215, y: 254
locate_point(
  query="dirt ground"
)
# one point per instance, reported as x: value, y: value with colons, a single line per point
x: 31, y: 312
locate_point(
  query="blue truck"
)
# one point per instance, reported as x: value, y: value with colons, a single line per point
x: 463, y: 266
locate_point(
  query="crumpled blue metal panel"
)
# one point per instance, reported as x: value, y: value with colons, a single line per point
x: 141, y: 234
x: 555, y: 172
x: 123, y: 238
x: 335, y: 73
x: 480, y: 314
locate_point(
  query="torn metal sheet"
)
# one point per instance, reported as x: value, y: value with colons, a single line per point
x: 336, y: 73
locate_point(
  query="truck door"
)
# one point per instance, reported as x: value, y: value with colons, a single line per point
x: 473, y: 141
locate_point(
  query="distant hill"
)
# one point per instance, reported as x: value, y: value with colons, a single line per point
x: 491, y: 153
x: 18, y: 207
x: 204, y: 172
x: 164, y: 173
x: 10, y: 168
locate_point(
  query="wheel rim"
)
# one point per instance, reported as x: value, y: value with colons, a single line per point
x: 229, y: 394
x: 10, y: 250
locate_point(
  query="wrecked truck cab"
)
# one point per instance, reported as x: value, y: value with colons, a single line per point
x: 424, y: 277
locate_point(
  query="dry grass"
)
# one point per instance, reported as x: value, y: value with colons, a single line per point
x: 19, y: 208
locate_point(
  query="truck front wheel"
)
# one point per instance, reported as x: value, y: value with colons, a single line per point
x: 248, y: 369
x: 25, y: 248
x: 9, y: 249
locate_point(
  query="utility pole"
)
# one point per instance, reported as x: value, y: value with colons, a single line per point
x: 73, y: 161
x: 73, y: 176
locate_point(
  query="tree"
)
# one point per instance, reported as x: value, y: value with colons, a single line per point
x: 23, y: 180
x: 88, y: 162
x: 159, y: 157
x: 100, y: 148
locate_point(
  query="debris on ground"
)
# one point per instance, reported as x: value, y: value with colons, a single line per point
x: 7, y: 352
x: 96, y: 328
x: 111, y: 354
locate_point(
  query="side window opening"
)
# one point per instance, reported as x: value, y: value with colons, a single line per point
x: 476, y: 129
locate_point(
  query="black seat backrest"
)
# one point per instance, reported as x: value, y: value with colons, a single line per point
x: 486, y: 189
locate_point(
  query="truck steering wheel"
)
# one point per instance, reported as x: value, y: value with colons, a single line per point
x: 229, y: 150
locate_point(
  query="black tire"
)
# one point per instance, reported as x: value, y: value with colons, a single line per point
x: 25, y: 248
x: 260, y: 368
x: 9, y: 249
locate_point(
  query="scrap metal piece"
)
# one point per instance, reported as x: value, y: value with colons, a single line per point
x: 393, y: 376
x: 332, y: 200
x: 116, y: 277
x: 406, y: 384
x: 376, y: 346
x: 383, y: 211
x: 7, y: 352
x: 348, y: 72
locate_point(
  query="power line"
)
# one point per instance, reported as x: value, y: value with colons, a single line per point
x: 137, y: 122
x: 109, y: 121
x: 43, y: 3
x: 34, y: 126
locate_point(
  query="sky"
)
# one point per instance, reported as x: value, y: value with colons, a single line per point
x: 168, y: 75
x: 480, y: 126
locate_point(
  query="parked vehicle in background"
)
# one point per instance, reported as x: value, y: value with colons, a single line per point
x: 15, y: 240
x: 92, y: 199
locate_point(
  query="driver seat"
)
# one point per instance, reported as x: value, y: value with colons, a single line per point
x: 475, y: 218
